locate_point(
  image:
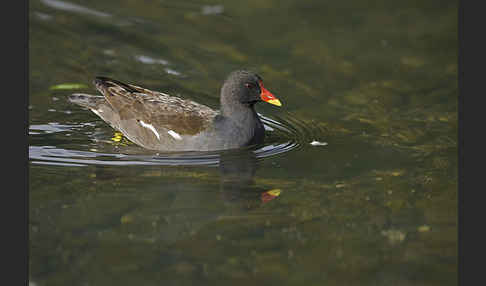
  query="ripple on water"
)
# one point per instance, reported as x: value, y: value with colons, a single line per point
x: 283, y: 135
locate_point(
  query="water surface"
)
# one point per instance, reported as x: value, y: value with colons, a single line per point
x: 356, y: 183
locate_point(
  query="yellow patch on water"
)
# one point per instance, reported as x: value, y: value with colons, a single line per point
x: 423, y: 228
x: 412, y: 62
x: 64, y: 86
x: 365, y: 120
x: 126, y: 219
x: 397, y: 173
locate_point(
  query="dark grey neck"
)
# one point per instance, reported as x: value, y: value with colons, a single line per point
x: 241, y: 124
x: 241, y: 114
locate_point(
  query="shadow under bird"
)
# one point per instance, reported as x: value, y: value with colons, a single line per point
x: 158, y: 121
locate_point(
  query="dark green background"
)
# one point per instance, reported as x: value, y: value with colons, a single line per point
x: 376, y: 80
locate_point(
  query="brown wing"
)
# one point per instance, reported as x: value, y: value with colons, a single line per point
x: 185, y: 117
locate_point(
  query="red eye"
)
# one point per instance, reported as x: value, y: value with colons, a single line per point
x: 250, y: 85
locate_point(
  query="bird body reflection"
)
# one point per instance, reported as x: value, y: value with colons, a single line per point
x: 237, y: 183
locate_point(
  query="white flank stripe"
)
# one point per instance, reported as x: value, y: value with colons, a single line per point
x: 151, y: 127
x: 174, y: 134
x: 97, y: 112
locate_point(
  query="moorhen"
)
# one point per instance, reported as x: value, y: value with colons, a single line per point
x: 158, y: 121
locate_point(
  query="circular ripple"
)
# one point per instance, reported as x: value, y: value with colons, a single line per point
x: 283, y: 135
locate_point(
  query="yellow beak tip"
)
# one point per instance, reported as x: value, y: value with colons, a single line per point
x: 275, y: 102
x: 274, y: 192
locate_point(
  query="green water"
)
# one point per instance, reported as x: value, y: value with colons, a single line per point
x: 376, y: 205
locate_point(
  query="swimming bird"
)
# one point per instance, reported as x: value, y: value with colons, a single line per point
x: 158, y: 121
